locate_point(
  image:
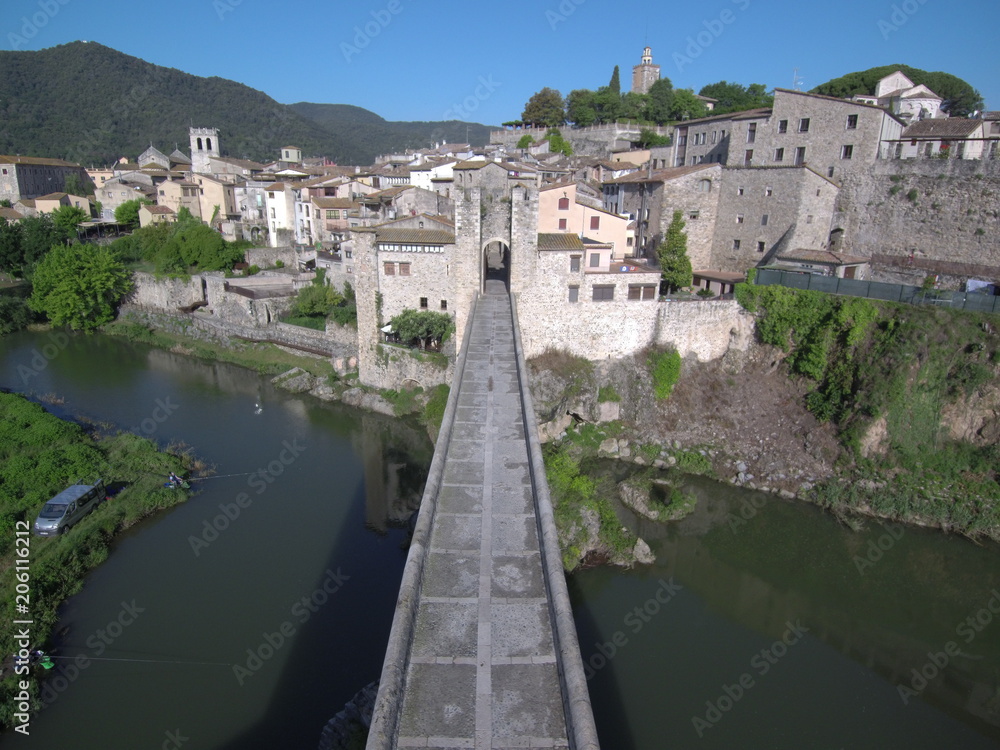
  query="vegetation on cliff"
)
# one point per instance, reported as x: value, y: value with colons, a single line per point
x: 901, y: 383
x: 960, y: 99
x: 40, y: 455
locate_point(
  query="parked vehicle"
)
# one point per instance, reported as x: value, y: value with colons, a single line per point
x: 69, y: 506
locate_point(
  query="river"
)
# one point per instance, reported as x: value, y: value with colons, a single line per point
x: 763, y: 624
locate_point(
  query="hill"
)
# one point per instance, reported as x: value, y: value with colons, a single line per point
x: 960, y: 98
x: 383, y: 136
x: 91, y: 104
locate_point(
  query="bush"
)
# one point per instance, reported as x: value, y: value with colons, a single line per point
x: 665, y: 369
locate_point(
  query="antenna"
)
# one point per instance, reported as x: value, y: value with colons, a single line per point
x: 796, y: 80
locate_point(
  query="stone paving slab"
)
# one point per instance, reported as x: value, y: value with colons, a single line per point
x: 482, y: 670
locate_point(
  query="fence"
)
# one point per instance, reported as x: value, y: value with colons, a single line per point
x: 911, y: 295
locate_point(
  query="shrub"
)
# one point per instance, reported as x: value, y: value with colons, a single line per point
x: 608, y: 393
x: 665, y: 369
x: 912, y: 195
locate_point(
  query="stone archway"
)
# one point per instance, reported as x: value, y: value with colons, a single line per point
x: 496, y: 266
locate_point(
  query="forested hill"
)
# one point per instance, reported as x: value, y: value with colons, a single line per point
x: 960, y: 98
x: 91, y: 104
x: 386, y: 136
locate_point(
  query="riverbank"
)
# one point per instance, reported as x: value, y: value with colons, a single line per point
x: 881, y: 411
x: 40, y: 455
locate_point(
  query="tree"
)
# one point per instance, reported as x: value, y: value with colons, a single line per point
x: 79, y: 285
x: 960, y: 99
x: 634, y: 105
x: 525, y: 141
x: 545, y: 108
x: 672, y: 252
x: 38, y: 235
x: 661, y: 98
x: 616, y: 84
x: 11, y: 254
x: 424, y: 327
x: 649, y: 138
x: 75, y: 185
x: 199, y: 246
x: 557, y: 144
x: 68, y: 217
x: 734, y: 97
x: 580, y: 108
x: 686, y: 106
x: 607, y: 104
x: 128, y: 212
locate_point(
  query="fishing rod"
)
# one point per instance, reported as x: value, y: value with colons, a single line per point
x: 142, y: 661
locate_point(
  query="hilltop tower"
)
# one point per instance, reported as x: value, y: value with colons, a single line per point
x: 645, y: 74
x: 204, y: 143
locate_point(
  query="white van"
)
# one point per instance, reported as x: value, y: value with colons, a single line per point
x: 68, y: 507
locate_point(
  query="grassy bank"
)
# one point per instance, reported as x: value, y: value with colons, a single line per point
x: 40, y: 455
x: 892, y: 378
x: 264, y: 358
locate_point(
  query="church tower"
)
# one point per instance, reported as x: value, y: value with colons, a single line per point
x: 204, y: 143
x: 645, y: 74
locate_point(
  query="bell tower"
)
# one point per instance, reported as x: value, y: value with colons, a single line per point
x: 204, y: 143
x: 645, y: 74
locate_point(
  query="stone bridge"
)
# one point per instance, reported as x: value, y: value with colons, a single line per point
x: 483, y: 651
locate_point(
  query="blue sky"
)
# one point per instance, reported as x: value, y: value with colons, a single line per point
x: 417, y: 60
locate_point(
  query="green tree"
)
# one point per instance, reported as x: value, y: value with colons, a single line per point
x: 79, y: 285
x: 38, y: 235
x: 686, y: 106
x: 545, y: 108
x: 198, y: 246
x: 128, y: 212
x: 616, y: 84
x: 317, y: 301
x: 607, y: 104
x: 423, y: 327
x: 649, y: 138
x: 68, y: 217
x: 525, y: 141
x: 634, y: 105
x: 11, y: 254
x: 960, y: 98
x: 734, y: 97
x: 661, y: 99
x: 558, y: 144
x: 580, y: 108
x: 76, y: 185
x: 672, y: 252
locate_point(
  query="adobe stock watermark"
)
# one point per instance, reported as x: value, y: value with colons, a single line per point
x: 761, y: 664
x: 363, y: 35
x: 471, y: 103
x: 562, y: 12
x: 878, y: 547
x: 301, y: 611
x: 901, y: 13
x: 746, y: 512
x: 222, y: 7
x: 41, y: 356
x: 174, y: 740
x: 47, y: 10
x: 258, y: 481
x: 634, y: 622
x: 163, y: 408
x: 714, y: 27
x: 70, y: 669
x: 937, y: 661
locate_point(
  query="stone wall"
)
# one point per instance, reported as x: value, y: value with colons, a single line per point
x: 952, y: 217
x: 265, y: 257
x: 595, y: 140
x: 165, y: 294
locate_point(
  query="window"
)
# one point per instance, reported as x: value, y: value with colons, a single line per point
x: 641, y: 292
x: 768, y: 192
x: 574, y: 294
x: 694, y: 214
x: 562, y: 224
x: 604, y: 293
x: 272, y: 213
x: 782, y: 126
x: 779, y: 154
x: 705, y: 186
x: 595, y: 222
x: 715, y: 133
x: 751, y: 132
x: 595, y: 260
x: 736, y: 244
x: 763, y: 220
x: 390, y: 269
x: 748, y: 157
x: 739, y: 191
x: 739, y: 218
x: 271, y: 196
x: 760, y: 246
x: 800, y: 155
x: 574, y: 263
x: 809, y: 219
x: 564, y: 204
x: 852, y: 122
x: 444, y: 304
x: 829, y: 172
x: 846, y: 152
x: 423, y: 303
x: 404, y: 270
x: 5, y: 171
x: 804, y: 125
x: 682, y: 140
x: 333, y: 214
x: 348, y: 254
